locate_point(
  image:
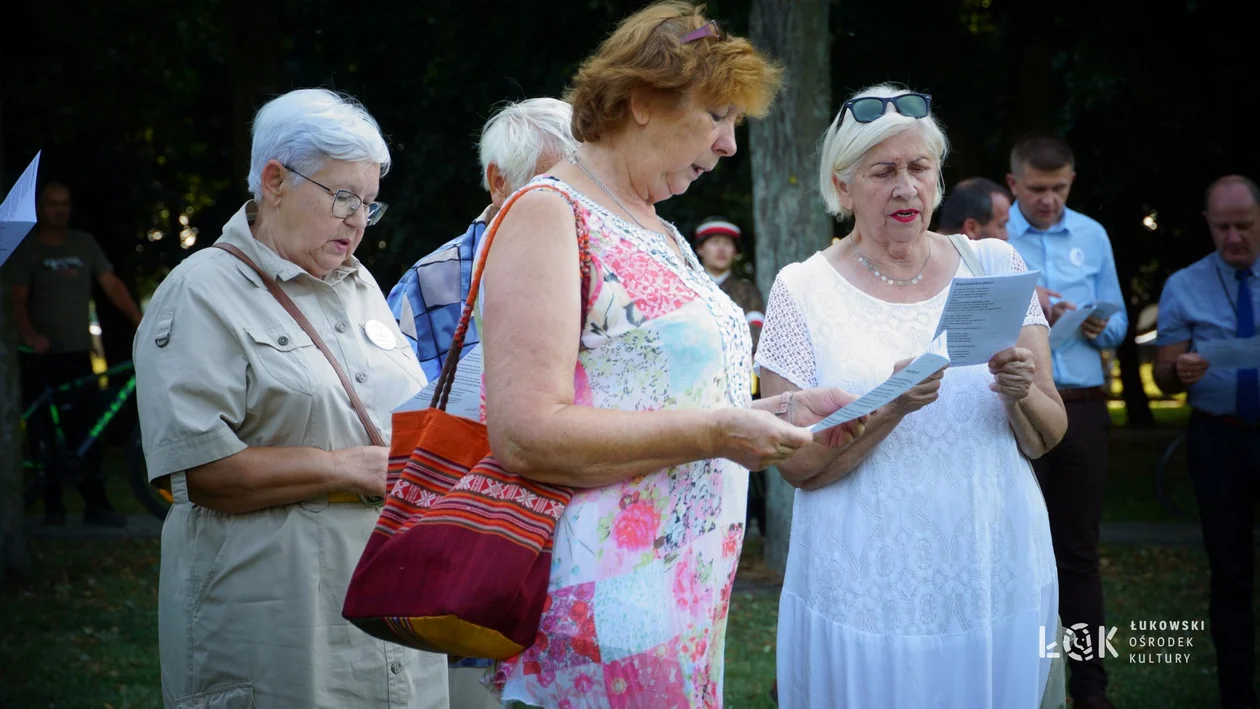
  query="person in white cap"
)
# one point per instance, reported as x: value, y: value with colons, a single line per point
x: 717, y: 242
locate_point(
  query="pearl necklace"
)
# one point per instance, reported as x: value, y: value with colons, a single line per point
x: 889, y: 279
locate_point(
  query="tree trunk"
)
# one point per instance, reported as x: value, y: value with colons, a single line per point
x: 788, y: 215
x: 14, y: 559
x: 1137, y: 405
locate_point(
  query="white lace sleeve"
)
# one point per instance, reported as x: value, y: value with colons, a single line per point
x: 1034, y: 316
x: 785, y: 347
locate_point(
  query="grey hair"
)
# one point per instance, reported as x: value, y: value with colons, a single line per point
x: 303, y: 128
x: 518, y: 135
x: 846, y: 143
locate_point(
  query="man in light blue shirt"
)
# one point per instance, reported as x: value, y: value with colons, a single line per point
x: 1077, y: 267
x: 1218, y: 298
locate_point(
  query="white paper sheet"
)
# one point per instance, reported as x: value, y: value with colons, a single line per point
x: 17, y: 212
x: 1104, y: 311
x: 924, y: 366
x: 1233, y: 353
x: 983, y: 316
x: 465, y: 399
x: 1069, y: 323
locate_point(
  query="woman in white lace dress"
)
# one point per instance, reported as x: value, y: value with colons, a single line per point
x: 921, y: 569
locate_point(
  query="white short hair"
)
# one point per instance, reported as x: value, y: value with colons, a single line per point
x: 518, y: 135
x: 847, y: 142
x: 303, y: 128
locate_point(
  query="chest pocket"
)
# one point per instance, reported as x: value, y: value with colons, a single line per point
x: 396, y: 375
x: 284, y: 353
x: 402, y: 356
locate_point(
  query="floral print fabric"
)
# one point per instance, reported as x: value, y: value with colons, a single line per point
x: 642, y: 570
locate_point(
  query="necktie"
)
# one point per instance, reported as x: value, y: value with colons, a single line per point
x: 1248, y: 402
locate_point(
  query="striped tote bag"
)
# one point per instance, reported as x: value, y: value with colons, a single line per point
x: 461, y: 555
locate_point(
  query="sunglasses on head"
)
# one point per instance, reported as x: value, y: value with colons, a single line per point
x: 708, y: 29
x: 871, y: 108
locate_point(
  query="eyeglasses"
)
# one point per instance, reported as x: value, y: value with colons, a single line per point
x: 346, y: 203
x: 708, y: 29
x: 871, y: 108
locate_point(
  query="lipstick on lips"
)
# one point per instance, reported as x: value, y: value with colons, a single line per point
x: 905, y: 216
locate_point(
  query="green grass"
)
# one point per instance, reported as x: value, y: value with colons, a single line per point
x: 81, y: 633
x: 1168, y: 414
x: 750, y: 645
x: 1134, y: 455
x: 1129, y: 493
x: 1140, y: 583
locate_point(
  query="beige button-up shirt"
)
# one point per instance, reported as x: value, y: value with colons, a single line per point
x: 250, y: 605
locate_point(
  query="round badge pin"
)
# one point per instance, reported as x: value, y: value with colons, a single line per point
x: 1077, y: 257
x: 380, y: 334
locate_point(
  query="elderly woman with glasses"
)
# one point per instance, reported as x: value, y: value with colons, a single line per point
x: 246, y: 419
x: 921, y: 572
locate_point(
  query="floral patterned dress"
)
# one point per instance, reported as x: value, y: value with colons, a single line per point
x: 642, y: 570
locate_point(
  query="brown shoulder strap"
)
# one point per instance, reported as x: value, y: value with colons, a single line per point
x: 373, y: 433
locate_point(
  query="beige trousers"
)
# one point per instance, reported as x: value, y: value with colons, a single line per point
x: 249, y: 614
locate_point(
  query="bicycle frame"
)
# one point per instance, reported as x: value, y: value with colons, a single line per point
x: 48, y: 399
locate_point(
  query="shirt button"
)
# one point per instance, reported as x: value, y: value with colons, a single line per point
x: 360, y: 377
x: 283, y: 340
x: 341, y: 327
x: 396, y: 667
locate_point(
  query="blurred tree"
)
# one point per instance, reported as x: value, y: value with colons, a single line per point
x: 124, y: 99
x: 1153, y: 120
x: 790, y: 220
x: 145, y: 108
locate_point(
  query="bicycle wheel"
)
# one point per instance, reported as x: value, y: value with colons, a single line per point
x: 1172, y: 481
x: 157, y: 502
